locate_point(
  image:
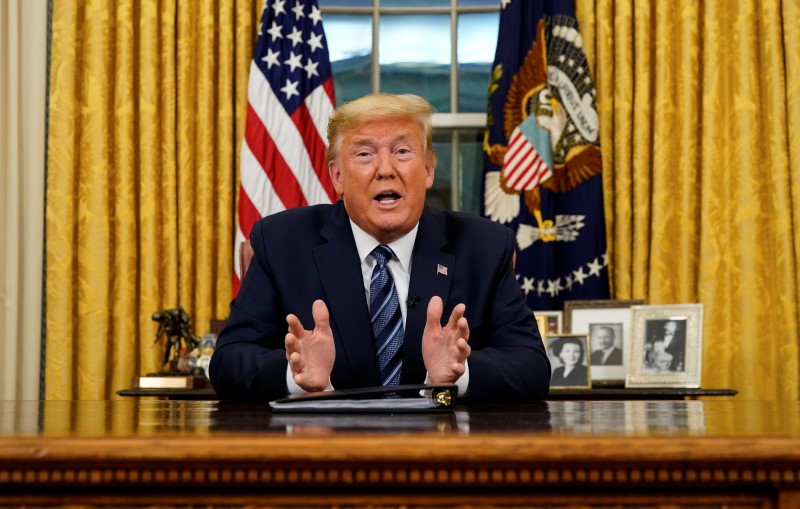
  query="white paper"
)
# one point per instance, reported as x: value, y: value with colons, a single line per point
x: 382, y: 404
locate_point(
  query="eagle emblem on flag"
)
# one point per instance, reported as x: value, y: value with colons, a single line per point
x: 551, y: 122
x: 542, y: 162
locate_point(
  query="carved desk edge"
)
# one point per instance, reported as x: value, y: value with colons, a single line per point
x: 416, y: 461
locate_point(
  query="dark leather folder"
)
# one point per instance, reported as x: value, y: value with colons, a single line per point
x: 397, y: 398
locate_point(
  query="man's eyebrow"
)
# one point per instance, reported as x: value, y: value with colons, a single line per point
x: 367, y: 139
x: 362, y: 140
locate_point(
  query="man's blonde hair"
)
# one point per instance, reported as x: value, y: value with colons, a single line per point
x: 380, y: 107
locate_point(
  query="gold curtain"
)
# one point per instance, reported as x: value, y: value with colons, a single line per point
x: 700, y: 113
x: 700, y: 128
x: 146, y: 105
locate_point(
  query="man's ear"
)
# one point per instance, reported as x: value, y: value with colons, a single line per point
x: 336, y: 177
x: 430, y: 170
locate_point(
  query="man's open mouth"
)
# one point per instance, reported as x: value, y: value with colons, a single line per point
x: 387, y: 198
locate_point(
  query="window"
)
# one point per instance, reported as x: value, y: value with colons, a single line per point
x: 442, y: 50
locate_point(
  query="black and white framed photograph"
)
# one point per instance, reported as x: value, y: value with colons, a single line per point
x: 550, y: 322
x: 569, y: 361
x: 667, y: 346
x: 608, y: 324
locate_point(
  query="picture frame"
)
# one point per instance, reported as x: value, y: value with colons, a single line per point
x: 666, y: 346
x: 604, y: 320
x: 564, y: 350
x: 549, y: 322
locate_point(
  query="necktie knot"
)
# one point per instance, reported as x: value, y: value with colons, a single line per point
x: 382, y: 254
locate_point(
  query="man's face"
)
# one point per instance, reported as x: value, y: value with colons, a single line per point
x: 382, y: 174
x: 604, y: 339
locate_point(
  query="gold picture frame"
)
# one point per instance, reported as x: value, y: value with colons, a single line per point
x: 558, y: 352
x: 549, y: 322
x: 607, y: 318
x: 666, y: 346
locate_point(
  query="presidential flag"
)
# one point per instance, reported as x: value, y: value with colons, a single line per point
x: 290, y: 97
x: 542, y: 154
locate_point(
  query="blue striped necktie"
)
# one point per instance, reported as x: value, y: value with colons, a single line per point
x: 387, y: 322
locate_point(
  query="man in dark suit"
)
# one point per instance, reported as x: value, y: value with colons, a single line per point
x: 605, y: 352
x: 464, y: 317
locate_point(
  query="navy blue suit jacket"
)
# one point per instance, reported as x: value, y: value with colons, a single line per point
x: 308, y: 253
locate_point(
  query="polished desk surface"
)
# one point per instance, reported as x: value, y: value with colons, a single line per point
x: 598, y: 393
x: 641, y: 445
x: 175, y: 424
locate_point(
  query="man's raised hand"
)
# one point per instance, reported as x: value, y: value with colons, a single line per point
x: 445, y: 349
x: 311, y: 353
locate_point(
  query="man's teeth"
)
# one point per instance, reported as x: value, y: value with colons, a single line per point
x: 387, y: 199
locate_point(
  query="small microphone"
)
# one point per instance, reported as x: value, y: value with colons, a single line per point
x: 412, y: 301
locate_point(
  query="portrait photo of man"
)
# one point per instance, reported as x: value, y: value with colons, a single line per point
x: 606, y: 344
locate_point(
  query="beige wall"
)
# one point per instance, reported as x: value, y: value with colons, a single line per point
x: 23, y: 73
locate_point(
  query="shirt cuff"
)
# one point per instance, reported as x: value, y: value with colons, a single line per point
x: 296, y: 389
x: 462, y: 383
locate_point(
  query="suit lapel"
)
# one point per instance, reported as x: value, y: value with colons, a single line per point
x: 427, y: 280
x: 340, y: 272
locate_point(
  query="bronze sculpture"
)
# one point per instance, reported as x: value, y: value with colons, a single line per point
x: 175, y: 325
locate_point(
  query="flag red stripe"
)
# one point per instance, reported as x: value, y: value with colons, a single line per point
x: 513, y: 146
x: 328, y: 87
x: 519, y: 165
x: 315, y: 146
x: 510, y: 161
x: 248, y: 213
x: 541, y: 170
x: 263, y: 148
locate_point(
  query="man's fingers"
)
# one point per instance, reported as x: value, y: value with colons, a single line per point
x: 295, y: 362
x: 463, y: 328
x: 321, y: 316
x: 295, y: 327
x: 463, y: 347
x: 291, y: 343
x: 456, y: 316
x: 434, y: 314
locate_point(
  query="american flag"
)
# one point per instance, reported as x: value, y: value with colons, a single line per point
x: 290, y: 97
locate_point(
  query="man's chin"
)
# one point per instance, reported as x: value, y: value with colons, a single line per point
x: 390, y: 231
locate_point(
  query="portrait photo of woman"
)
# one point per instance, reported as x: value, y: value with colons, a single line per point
x: 569, y: 361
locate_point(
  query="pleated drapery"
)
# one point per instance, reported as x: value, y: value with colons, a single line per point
x: 144, y: 120
x: 699, y: 116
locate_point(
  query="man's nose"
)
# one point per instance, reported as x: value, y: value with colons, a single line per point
x: 385, y: 164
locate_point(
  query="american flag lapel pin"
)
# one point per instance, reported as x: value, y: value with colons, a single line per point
x: 441, y: 269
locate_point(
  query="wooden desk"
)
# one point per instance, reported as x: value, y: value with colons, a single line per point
x: 555, y: 394
x: 691, y: 454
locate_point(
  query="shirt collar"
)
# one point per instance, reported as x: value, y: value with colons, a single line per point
x: 402, y: 247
